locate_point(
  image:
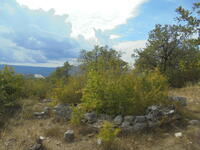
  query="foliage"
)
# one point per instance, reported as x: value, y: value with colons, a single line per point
x: 69, y: 92
x: 37, y: 88
x: 10, y: 91
x: 189, y: 23
x: 61, y: 72
x: 77, y: 115
x: 102, y: 59
x: 126, y: 94
x: 108, y: 133
x: 174, y: 49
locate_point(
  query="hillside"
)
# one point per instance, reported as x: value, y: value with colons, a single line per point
x: 44, y: 71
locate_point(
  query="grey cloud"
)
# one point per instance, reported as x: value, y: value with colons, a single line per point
x: 35, y: 35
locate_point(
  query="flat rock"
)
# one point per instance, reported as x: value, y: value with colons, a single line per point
x: 140, y: 119
x: 90, y: 117
x: 118, y: 120
x: 194, y: 122
x: 69, y: 136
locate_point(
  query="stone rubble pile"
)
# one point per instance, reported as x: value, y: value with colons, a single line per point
x: 153, y: 118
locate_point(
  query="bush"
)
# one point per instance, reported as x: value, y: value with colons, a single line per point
x: 70, y: 92
x: 77, y: 115
x: 37, y: 88
x: 130, y: 93
x: 10, y: 91
x: 108, y: 133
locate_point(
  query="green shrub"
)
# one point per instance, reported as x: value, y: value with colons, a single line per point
x: 130, y: 93
x: 70, y: 92
x: 38, y: 88
x: 77, y: 115
x: 108, y: 133
x: 10, y: 91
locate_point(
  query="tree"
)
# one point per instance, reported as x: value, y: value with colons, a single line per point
x: 189, y: 23
x: 102, y: 59
x: 174, y: 49
x: 61, y: 72
x: 162, y: 47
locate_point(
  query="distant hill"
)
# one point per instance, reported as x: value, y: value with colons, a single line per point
x: 44, y: 71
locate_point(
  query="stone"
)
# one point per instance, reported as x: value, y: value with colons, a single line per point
x: 39, y: 144
x: 46, y: 110
x: 153, y: 124
x: 39, y: 115
x: 99, y: 141
x: 129, y: 119
x: 105, y: 117
x: 140, y: 126
x: 118, y: 120
x: 36, y: 147
x: 46, y: 100
x: 178, y: 134
x: 152, y: 108
x: 153, y: 113
x: 42, y: 114
x: 69, y: 136
x: 98, y: 124
x: 181, y: 100
x: 126, y: 124
x: 63, y: 111
x: 90, y: 117
x: 194, y: 122
x: 140, y: 119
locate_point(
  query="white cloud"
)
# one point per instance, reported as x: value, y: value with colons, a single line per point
x: 127, y: 49
x: 85, y: 15
x: 114, y: 36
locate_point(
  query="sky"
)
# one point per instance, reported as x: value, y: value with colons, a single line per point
x: 48, y: 33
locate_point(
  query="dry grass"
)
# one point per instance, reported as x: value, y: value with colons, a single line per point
x: 54, y: 131
x: 193, y: 94
x: 21, y: 133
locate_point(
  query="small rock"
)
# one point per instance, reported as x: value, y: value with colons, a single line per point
x: 125, y: 124
x: 46, y: 110
x: 140, y: 126
x: 178, y: 134
x: 90, y: 117
x: 58, y: 143
x: 153, y: 124
x: 46, y: 100
x: 194, y: 122
x: 140, y: 119
x: 129, y: 119
x: 63, y: 111
x: 180, y: 100
x: 105, y: 117
x: 39, y: 115
x: 99, y: 141
x: 39, y: 144
x: 152, y: 108
x: 69, y: 136
x: 118, y: 120
x: 37, y: 147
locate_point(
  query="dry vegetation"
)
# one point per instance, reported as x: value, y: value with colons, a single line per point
x: 21, y: 133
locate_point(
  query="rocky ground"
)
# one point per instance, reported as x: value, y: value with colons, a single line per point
x: 38, y: 127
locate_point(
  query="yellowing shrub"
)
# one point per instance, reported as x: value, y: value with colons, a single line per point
x: 69, y: 92
x: 77, y: 115
x: 130, y: 93
x: 10, y: 92
x: 108, y: 133
x: 38, y: 88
